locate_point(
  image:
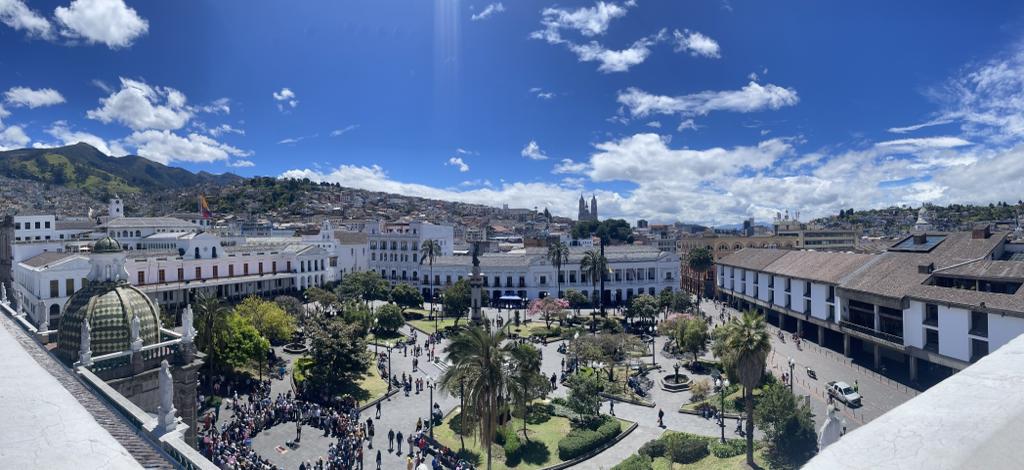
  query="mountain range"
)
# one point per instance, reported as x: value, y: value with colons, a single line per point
x: 82, y: 166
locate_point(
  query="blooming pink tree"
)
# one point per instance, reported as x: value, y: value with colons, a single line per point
x: 548, y: 308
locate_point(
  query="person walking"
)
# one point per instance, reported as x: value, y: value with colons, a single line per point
x: 298, y: 431
x: 661, y: 417
x: 369, y: 432
x: 398, y: 440
x: 611, y: 406
x: 378, y: 459
x: 378, y: 410
x: 391, y: 440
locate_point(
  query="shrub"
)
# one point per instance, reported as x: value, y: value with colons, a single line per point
x: 700, y: 388
x: 579, y: 441
x: 730, y: 448
x: 538, y: 413
x: 653, y: 449
x: 636, y: 462
x: 512, y: 444
x: 685, y: 448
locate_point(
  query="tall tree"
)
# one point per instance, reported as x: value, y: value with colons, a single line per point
x: 594, y: 264
x: 243, y: 343
x: 323, y: 300
x: 429, y: 251
x: 576, y: 300
x: 643, y: 307
x: 269, y: 319
x: 558, y: 255
x: 700, y: 261
x: 457, y: 300
x: 526, y: 382
x: 389, y: 318
x: 478, y: 367
x: 691, y: 336
x: 406, y: 296
x: 211, y: 320
x: 787, y: 423
x: 339, y: 356
x: 744, y: 349
x: 550, y: 309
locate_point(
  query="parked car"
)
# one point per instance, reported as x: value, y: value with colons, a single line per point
x: 843, y: 392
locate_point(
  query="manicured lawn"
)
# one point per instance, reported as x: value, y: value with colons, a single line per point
x: 428, y: 325
x: 713, y: 463
x: 541, y: 451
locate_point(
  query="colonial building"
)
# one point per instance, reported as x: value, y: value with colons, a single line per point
x: 932, y: 303
x: 528, y: 274
x: 719, y: 246
x: 395, y: 248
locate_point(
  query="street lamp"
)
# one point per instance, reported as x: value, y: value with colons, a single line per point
x: 653, y: 355
x: 430, y: 414
x: 792, y: 363
x: 388, y: 374
x: 721, y: 409
x: 375, y: 339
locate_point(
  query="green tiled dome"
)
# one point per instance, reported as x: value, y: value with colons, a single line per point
x: 106, y: 245
x: 109, y: 308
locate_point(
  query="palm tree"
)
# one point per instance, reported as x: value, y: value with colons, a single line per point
x: 744, y: 347
x: 478, y: 374
x: 594, y: 264
x: 526, y: 382
x: 558, y: 254
x: 429, y: 251
x: 211, y: 316
x: 700, y: 260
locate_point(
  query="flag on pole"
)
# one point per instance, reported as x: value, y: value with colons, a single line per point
x: 204, y: 208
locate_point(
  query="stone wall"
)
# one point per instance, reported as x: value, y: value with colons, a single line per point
x: 143, y: 389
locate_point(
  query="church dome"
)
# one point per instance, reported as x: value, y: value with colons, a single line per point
x: 106, y: 245
x: 109, y: 307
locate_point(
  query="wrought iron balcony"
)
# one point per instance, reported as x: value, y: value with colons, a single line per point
x: 895, y: 339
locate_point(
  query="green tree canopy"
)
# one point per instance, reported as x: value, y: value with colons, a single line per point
x: 788, y: 425
x: 323, y: 300
x: 406, y: 296
x: 243, y: 343
x: 525, y: 380
x: 340, y: 358
x: 692, y: 335
x: 366, y: 286
x: 389, y: 318
x: 269, y: 319
x: 584, y: 395
x: 644, y: 308
x: 290, y: 304
x: 457, y: 300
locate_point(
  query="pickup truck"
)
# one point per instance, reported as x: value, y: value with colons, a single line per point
x: 843, y: 392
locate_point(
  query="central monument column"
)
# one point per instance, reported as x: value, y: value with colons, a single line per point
x: 476, y: 283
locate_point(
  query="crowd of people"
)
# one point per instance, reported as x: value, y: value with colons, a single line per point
x: 230, y: 445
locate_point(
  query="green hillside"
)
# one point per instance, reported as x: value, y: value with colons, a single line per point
x: 82, y: 166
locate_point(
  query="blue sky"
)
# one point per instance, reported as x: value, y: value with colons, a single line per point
x: 703, y: 111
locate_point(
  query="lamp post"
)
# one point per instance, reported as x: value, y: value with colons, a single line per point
x: 721, y: 409
x: 375, y: 339
x: 388, y: 378
x: 462, y: 413
x: 792, y: 363
x: 654, y: 355
x: 430, y: 414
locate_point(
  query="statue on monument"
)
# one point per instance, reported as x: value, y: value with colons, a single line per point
x: 85, y: 344
x: 476, y: 254
x: 44, y: 318
x: 188, y: 333
x: 831, y: 431
x: 165, y: 411
x: 136, y: 337
x: 3, y: 293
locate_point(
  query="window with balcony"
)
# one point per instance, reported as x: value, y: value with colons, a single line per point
x: 508, y: 281
x: 448, y: 279
x: 931, y: 315
x: 160, y: 276
x: 807, y: 289
x: 979, y: 324
x: 245, y: 269
x: 788, y: 285
x: 54, y: 289
x: 69, y: 287
x: 181, y: 274
x: 199, y: 272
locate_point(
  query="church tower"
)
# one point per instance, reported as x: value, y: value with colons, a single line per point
x: 116, y: 208
x: 593, y: 207
x: 583, y: 213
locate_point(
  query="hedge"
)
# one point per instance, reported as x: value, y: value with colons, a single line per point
x: 730, y: 448
x: 512, y: 444
x: 636, y: 462
x: 653, y: 449
x: 579, y: 441
x: 684, y: 448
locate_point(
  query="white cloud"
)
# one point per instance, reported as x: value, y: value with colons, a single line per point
x: 65, y: 136
x: 241, y: 164
x: 109, y: 22
x: 141, y: 106
x: 225, y: 129
x: 13, y: 137
x: 488, y: 11
x: 533, y: 151
x: 22, y: 96
x: 654, y: 124
x: 615, y: 60
x: 686, y: 124
x: 285, y: 99
x: 217, y: 106
x: 541, y: 93
x: 753, y: 97
x: 17, y: 15
x: 295, y: 140
x: 102, y: 85
x: 589, y: 21
x: 696, y: 44
x: 911, y: 145
x: 457, y: 161
x: 915, y: 127
x: 567, y: 166
x: 165, y: 147
x: 343, y: 130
